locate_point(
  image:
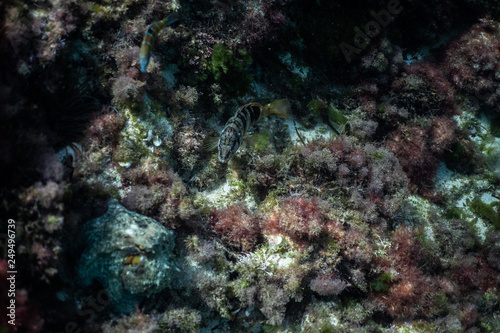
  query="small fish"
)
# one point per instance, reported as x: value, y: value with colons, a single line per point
x: 232, y: 135
x: 133, y: 260
x: 150, y: 36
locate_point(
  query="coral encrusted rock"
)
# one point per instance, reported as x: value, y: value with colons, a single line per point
x: 130, y: 254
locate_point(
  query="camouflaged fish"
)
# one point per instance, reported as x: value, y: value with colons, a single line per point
x: 150, y: 36
x: 232, y: 135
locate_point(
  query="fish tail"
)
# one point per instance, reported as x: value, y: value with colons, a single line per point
x: 150, y: 37
x: 170, y: 19
x: 280, y: 108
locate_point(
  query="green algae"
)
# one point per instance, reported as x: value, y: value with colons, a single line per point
x: 332, y: 116
x: 229, y: 71
x: 335, y: 116
x: 382, y: 283
x: 261, y: 141
x: 440, y: 305
x: 490, y: 300
x: 486, y: 211
x: 128, y: 151
x: 454, y: 213
x: 491, y: 323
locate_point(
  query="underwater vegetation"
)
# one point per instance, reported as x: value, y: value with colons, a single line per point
x: 370, y: 204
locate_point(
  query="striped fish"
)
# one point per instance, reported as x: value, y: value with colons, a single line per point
x: 236, y: 127
x: 150, y: 36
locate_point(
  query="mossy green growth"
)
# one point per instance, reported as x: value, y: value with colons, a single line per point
x: 261, y: 140
x: 244, y: 284
x: 229, y: 71
x: 440, y: 305
x: 454, y: 213
x: 490, y: 323
x: 333, y: 246
x: 382, y: 282
x: 487, y: 211
x: 128, y: 151
x: 222, y: 61
x: 490, y: 300
x: 495, y: 127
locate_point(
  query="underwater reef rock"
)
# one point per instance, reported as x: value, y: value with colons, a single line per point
x: 128, y: 253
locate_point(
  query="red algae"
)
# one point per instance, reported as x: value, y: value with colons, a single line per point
x: 236, y: 226
x: 299, y: 218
